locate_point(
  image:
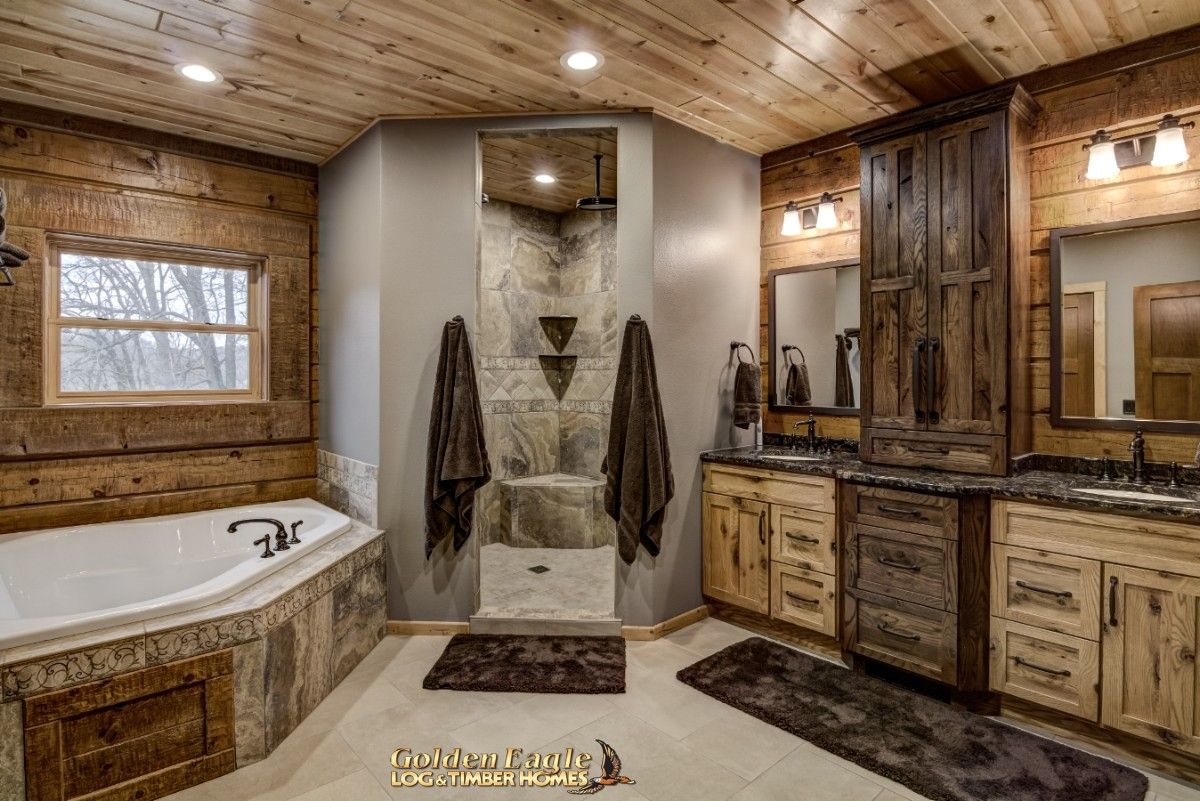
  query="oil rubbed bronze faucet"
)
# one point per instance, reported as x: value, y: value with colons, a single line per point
x: 281, y: 537
x: 811, y: 422
x: 1138, y: 448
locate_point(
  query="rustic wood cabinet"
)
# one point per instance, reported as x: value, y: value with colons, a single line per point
x: 736, y: 553
x: 945, y: 255
x: 1098, y: 616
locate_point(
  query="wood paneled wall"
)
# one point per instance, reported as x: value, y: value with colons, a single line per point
x: 1126, y: 101
x: 63, y: 466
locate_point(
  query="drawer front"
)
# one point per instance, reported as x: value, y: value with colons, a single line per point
x: 804, y: 597
x: 910, y: 511
x: 1050, y: 669
x: 1049, y: 591
x: 913, y: 637
x: 803, y: 538
x: 807, y: 492
x: 966, y: 453
x: 902, y: 565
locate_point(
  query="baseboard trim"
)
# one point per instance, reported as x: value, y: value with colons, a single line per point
x: 648, y: 633
x: 417, y: 627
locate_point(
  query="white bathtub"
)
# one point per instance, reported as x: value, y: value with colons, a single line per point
x: 63, y: 581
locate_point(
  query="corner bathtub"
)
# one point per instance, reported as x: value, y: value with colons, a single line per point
x: 65, y: 581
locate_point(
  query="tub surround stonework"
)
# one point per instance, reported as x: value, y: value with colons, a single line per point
x: 293, y: 636
x: 348, y: 485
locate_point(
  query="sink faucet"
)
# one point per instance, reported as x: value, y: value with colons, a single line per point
x: 281, y: 537
x: 1138, y: 448
x: 811, y: 422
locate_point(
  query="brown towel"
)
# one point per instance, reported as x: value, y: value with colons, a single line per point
x: 798, y: 389
x: 747, y: 395
x: 457, y: 461
x: 638, y: 463
x: 843, y: 386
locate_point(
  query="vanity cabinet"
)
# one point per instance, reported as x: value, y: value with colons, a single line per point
x: 944, y: 246
x: 1098, y: 616
x: 770, y: 544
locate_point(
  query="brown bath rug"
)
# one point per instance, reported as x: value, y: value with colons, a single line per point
x: 530, y: 664
x: 941, y: 752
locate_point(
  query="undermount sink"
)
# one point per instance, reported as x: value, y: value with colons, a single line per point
x: 1131, y: 495
x: 783, y: 457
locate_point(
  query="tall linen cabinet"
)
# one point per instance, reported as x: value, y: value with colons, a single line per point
x: 945, y: 283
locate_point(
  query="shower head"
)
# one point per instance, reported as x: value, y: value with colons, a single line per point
x: 596, y: 202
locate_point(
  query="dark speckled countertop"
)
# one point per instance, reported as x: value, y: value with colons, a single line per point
x: 1035, y: 484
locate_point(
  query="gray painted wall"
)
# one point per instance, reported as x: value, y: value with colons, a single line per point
x: 687, y: 250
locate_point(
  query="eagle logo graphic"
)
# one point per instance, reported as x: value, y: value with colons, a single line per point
x: 612, y: 773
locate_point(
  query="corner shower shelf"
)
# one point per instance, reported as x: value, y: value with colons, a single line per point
x: 559, y: 370
x: 558, y: 328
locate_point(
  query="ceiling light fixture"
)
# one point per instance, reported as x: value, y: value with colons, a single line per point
x: 544, y: 178
x: 198, y: 73
x: 582, y: 60
x: 1169, y: 148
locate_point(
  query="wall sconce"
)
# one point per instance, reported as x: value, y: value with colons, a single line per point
x: 1163, y: 148
x: 822, y: 215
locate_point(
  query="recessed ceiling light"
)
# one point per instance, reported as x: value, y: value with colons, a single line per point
x: 544, y: 178
x: 582, y: 60
x: 198, y: 73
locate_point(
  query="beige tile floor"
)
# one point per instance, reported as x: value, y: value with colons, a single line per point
x: 675, y: 742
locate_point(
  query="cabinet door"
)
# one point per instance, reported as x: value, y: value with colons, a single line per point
x: 736, y: 554
x: 1149, y: 647
x: 967, y: 276
x: 893, y: 280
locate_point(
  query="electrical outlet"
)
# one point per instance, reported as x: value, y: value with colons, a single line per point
x: 1127, y: 407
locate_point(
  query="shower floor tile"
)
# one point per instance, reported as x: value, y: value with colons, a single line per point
x: 546, y: 582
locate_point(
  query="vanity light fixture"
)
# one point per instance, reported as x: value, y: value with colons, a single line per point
x: 544, y: 178
x: 1169, y: 147
x: 582, y: 60
x: 1164, y: 147
x: 1102, y: 156
x: 822, y: 216
x: 198, y: 73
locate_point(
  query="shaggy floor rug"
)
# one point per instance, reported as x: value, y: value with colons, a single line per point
x: 530, y: 664
x: 941, y: 752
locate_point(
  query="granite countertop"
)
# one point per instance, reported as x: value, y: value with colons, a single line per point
x: 1032, y: 484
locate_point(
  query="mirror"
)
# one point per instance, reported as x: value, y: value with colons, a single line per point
x: 812, y: 319
x: 1125, y: 324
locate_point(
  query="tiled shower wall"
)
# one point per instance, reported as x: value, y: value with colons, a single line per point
x: 535, y: 263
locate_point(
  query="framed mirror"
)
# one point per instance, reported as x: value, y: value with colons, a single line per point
x: 812, y: 333
x: 1125, y: 324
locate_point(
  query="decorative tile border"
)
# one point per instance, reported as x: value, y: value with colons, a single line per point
x: 523, y: 406
x: 77, y: 667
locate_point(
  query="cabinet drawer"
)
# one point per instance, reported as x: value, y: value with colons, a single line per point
x: 803, y: 538
x: 808, y: 492
x: 1050, y: 591
x: 804, y: 597
x: 910, y: 636
x: 966, y: 453
x: 911, y: 511
x: 899, y: 564
x: 1050, y: 669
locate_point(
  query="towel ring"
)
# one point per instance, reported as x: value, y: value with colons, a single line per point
x: 736, y: 347
x: 788, y: 359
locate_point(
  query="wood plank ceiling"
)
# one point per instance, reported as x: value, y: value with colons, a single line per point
x: 510, y: 163
x: 302, y: 78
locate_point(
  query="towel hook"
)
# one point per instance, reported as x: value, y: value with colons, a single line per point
x: 736, y: 347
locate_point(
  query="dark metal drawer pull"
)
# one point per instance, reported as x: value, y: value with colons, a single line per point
x: 943, y: 450
x: 886, y: 629
x: 1019, y: 661
x: 800, y: 599
x: 883, y: 560
x: 791, y: 535
x: 1112, y: 601
x: 1035, y: 588
x: 898, y: 510
x: 918, y: 349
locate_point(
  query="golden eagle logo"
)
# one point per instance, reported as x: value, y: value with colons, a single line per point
x: 612, y: 773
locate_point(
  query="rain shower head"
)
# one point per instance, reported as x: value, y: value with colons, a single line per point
x: 596, y: 202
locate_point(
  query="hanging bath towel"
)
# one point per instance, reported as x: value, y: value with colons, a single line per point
x: 798, y: 389
x: 843, y: 386
x: 747, y: 392
x: 637, y: 466
x: 457, y: 462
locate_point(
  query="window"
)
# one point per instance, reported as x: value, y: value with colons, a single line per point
x: 129, y: 323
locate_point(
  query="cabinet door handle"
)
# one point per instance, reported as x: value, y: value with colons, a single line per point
x: 904, y: 635
x: 800, y: 599
x: 1032, y: 666
x: 931, y: 380
x: 883, y: 560
x: 898, y: 510
x: 762, y: 528
x: 939, y: 449
x: 1043, y: 590
x: 792, y: 535
x: 918, y: 349
x: 1112, y: 600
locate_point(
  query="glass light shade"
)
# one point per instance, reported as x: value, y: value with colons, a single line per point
x: 791, y: 220
x: 827, y: 214
x: 1169, y: 147
x: 1102, y: 161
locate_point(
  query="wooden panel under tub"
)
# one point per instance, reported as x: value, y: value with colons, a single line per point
x: 137, y: 736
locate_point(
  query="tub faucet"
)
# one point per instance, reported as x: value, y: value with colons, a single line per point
x: 1138, y: 448
x: 281, y: 537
